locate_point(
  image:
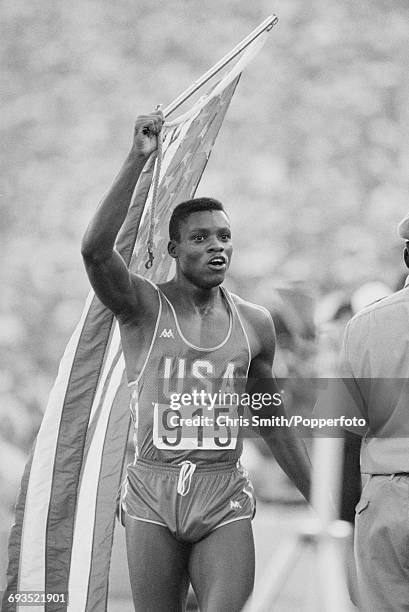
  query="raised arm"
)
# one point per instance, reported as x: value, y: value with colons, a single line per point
x: 107, y: 271
x: 289, y: 450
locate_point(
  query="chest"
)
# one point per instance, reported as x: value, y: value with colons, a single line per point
x: 204, y: 330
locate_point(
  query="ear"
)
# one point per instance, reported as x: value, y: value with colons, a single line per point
x: 406, y: 256
x: 173, y: 249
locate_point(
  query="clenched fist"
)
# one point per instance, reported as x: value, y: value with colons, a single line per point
x: 147, y: 128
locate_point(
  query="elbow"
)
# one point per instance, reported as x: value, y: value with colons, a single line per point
x: 97, y: 245
x: 88, y: 250
x: 92, y: 252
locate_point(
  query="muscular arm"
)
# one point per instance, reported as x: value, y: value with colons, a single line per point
x: 106, y: 269
x: 288, y: 450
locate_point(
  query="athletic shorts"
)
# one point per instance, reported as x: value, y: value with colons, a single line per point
x: 190, y: 500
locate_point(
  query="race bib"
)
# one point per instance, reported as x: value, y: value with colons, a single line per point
x: 195, y: 427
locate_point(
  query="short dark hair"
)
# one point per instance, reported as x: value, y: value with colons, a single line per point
x: 184, y: 209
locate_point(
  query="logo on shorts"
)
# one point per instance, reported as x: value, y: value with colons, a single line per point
x: 167, y: 333
x: 235, y: 505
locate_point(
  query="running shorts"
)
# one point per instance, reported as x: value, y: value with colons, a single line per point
x: 190, y: 500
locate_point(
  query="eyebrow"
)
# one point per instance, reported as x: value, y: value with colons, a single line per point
x: 206, y: 229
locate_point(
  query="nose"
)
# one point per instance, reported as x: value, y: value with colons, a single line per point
x: 215, y: 245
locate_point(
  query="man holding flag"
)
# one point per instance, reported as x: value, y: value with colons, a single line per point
x: 187, y: 506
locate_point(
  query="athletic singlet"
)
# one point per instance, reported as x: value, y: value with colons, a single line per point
x: 184, y: 403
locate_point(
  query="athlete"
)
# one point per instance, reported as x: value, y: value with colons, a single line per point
x: 188, y: 343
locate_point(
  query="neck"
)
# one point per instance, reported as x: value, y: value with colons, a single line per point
x: 194, y: 297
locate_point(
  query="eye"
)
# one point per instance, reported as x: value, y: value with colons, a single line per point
x: 225, y: 237
x: 198, y: 237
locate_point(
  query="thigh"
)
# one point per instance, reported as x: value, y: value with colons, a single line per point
x: 221, y: 567
x: 157, y: 567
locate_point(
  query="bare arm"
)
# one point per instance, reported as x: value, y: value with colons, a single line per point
x: 106, y: 269
x: 289, y: 450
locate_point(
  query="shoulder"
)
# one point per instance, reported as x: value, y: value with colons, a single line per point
x: 381, y: 310
x: 254, y: 313
x: 257, y: 320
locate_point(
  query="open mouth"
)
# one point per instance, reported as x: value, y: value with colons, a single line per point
x: 217, y: 263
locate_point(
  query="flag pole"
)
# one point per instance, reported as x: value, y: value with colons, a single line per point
x: 265, y: 26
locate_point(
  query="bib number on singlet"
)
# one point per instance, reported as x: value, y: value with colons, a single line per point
x: 195, y: 428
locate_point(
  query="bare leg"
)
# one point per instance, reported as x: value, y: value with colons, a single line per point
x: 221, y: 568
x: 157, y: 567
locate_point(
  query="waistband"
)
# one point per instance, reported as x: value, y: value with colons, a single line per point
x: 174, y: 468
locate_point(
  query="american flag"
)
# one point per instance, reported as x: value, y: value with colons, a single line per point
x: 65, y: 515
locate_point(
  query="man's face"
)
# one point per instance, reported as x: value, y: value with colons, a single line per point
x: 205, y: 248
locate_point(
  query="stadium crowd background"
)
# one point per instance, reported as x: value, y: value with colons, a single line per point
x: 312, y: 164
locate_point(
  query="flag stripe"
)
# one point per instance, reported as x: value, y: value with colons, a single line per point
x: 113, y: 353
x: 14, y: 541
x: 85, y: 515
x: 109, y: 481
x: 70, y: 448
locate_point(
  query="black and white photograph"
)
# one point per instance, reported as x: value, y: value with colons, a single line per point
x: 204, y: 306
